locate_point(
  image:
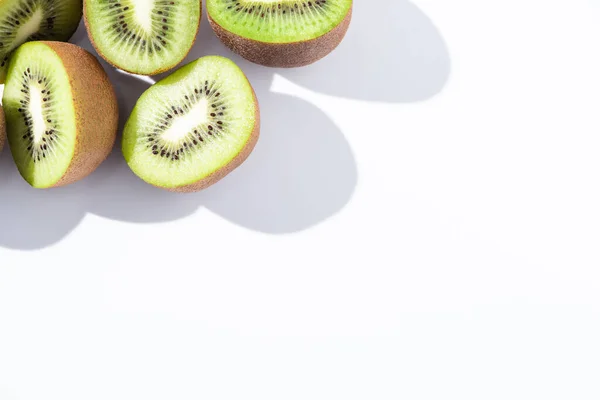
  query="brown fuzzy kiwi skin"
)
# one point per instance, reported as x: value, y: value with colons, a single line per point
x: 96, y: 111
x: 284, y: 55
x: 158, y: 71
x: 233, y: 164
x: 2, y: 128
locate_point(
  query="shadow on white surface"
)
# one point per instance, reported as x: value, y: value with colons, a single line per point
x: 289, y: 183
x: 35, y: 218
x: 392, y: 53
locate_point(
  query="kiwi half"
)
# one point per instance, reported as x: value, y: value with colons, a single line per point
x: 192, y: 128
x: 143, y: 37
x: 61, y: 113
x: 280, y: 33
x: 26, y: 20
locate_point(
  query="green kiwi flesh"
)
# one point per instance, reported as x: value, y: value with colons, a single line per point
x: 61, y: 113
x: 31, y: 20
x: 143, y: 37
x: 281, y: 33
x: 192, y: 128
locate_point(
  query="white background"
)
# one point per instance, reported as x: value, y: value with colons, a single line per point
x: 420, y: 220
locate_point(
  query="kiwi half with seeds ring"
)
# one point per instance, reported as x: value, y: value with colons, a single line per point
x: 144, y: 37
x: 29, y: 20
x: 61, y: 113
x: 194, y: 127
x: 280, y: 33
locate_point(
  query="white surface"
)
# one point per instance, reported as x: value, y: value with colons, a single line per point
x: 420, y: 220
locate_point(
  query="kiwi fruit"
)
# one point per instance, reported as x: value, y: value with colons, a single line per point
x: 61, y: 113
x: 280, y: 33
x: 27, y: 20
x: 144, y: 37
x: 192, y: 128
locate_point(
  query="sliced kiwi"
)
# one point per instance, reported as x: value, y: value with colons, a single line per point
x: 26, y: 20
x: 143, y: 37
x: 192, y: 128
x: 280, y: 33
x: 61, y: 113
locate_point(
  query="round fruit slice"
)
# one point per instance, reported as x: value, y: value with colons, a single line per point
x: 61, y: 113
x: 143, y: 37
x: 192, y: 128
x: 26, y: 20
x: 280, y: 33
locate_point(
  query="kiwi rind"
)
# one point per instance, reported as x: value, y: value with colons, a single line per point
x: 126, y: 68
x: 96, y: 110
x: 283, y: 55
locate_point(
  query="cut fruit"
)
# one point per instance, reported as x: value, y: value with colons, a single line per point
x: 280, y: 33
x: 27, y: 20
x: 192, y: 128
x: 143, y: 37
x: 61, y: 113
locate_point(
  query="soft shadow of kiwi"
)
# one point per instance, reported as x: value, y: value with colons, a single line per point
x: 392, y: 53
x: 33, y: 218
x: 301, y: 172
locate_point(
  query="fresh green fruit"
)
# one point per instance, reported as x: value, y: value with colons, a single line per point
x: 192, y: 128
x: 26, y: 20
x: 280, y: 33
x: 143, y: 37
x: 61, y: 113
